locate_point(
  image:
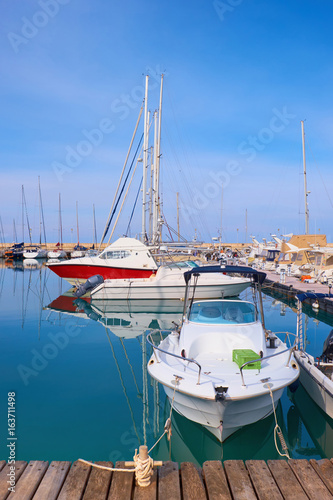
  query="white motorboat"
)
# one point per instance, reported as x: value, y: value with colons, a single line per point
x: 125, y: 258
x: 316, y: 374
x: 221, y: 368
x: 168, y: 283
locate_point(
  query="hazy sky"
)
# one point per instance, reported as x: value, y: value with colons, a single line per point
x: 240, y: 75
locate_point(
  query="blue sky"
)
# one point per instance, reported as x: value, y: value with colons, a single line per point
x: 240, y: 75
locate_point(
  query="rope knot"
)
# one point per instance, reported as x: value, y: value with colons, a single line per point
x: 143, y: 466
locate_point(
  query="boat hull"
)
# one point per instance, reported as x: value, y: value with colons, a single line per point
x: 223, y: 418
x: 316, y: 384
x: 77, y: 272
x: 56, y: 254
x: 148, y: 290
x: 35, y: 254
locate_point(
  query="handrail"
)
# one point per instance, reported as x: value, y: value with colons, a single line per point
x: 264, y: 358
x: 287, y: 334
x: 150, y: 341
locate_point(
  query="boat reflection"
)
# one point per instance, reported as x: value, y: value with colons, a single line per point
x: 306, y: 423
x: 126, y: 319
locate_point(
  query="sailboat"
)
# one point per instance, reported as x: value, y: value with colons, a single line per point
x: 36, y: 251
x: 79, y: 250
x: 58, y: 252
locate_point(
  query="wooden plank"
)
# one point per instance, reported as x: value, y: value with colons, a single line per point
x: 262, y: 480
x: 19, y: 468
x: 75, y: 482
x: 148, y: 492
x: 215, y: 480
x: 98, y: 483
x: 191, y: 482
x: 324, y: 469
x: 286, y: 480
x: 168, y: 481
x: 309, y: 479
x: 53, y: 481
x: 239, y: 480
x: 122, y: 483
x: 30, y: 479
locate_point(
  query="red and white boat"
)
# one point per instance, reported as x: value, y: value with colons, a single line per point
x: 125, y: 258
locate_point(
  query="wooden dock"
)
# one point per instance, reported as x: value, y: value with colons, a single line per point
x: 232, y: 480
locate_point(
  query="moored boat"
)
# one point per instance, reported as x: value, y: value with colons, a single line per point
x: 125, y: 258
x: 316, y: 374
x: 221, y: 368
x: 34, y: 252
x: 168, y: 283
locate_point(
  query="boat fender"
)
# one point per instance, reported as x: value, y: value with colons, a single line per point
x: 183, y: 354
x: 89, y: 285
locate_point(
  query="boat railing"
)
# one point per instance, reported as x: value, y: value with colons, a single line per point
x: 264, y: 358
x: 182, y: 358
x: 287, y: 337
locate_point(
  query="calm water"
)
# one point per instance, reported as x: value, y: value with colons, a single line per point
x: 82, y: 390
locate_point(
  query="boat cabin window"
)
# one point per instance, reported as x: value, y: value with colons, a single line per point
x: 222, y: 312
x: 272, y: 254
x: 311, y: 257
x: 115, y: 254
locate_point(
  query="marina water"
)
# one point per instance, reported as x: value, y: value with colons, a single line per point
x: 82, y: 388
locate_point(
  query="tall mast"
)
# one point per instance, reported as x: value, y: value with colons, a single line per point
x: 24, y: 205
x: 22, y: 213
x: 77, y: 224
x: 60, y: 222
x: 151, y: 194
x: 41, y: 216
x: 94, y: 221
x: 14, y: 231
x: 178, y: 227
x: 145, y: 163
x: 156, y: 231
x: 305, y: 186
x: 221, y: 216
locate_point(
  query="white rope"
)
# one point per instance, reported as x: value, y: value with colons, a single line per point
x: 143, y: 468
x: 167, y: 425
x: 278, y: 431
x: 104, y: 467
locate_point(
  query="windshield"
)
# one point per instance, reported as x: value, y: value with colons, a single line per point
x: 222, y: 312
x: 189, y: 264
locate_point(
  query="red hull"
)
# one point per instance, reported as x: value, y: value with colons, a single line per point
x: 83, y: 272
x: 65, y: 303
